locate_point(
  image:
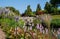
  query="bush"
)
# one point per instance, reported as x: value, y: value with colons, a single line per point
x: 55, y: 23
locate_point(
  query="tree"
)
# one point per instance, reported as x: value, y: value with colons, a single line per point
x: 59, y: 11
x: 55, y: 11
x: 11, y: 8
x: 14, y: 10
x: 17, y: 12
x: 55, y: 3
x: 28, y: 11
x: 55, y: 23
x: 48, y: 7
x: 38, y: 9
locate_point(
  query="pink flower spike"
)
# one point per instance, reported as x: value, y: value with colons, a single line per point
x: 37, y: 26
x: 30, y: 27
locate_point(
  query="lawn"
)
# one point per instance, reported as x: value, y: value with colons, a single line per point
x: 55, y: 16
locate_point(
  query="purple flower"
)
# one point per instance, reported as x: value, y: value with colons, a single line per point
x: 30, y: 27
x: 37, y: 26
x: 59, y: 29
x: 41, y: 30
x: 41, y: 26
x: 58, y: 32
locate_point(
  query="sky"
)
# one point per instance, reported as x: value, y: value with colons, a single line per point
x: 21, y: 5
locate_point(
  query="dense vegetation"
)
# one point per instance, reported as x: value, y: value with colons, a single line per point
x: 10, y: 23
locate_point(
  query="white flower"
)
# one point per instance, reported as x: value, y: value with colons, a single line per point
x: 43, y: 31
x: 46, y: 30
x: 25, y: 28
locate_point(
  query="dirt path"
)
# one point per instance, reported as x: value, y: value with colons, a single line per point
x: 2, y: 34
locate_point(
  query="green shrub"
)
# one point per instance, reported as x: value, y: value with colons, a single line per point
x: 55, y: 22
